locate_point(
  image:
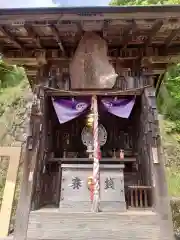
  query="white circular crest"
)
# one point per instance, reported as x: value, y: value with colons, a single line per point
x: 81, y: 106
x: 87, y: 136
x: 107, y: 104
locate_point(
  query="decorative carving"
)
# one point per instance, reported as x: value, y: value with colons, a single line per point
x: 87, y: 137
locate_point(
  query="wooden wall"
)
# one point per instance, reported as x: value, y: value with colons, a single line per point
x: 51, y: 185
x: 130, y: 76
x: 143, y: 144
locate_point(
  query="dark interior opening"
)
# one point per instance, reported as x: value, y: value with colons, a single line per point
x: 121, y: 134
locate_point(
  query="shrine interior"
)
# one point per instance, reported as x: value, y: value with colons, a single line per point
x: 67, y: 145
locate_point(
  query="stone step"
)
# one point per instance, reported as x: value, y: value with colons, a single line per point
x: 55, y: 225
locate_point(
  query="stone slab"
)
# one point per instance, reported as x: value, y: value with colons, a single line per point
x: 75, y: 195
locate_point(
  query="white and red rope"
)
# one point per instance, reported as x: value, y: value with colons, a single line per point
x: 96, y: 155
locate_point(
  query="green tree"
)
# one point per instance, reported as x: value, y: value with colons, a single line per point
x: 10, y: 75
x: 143, y: 2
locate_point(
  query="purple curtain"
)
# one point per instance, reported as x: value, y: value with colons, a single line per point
x: 67, y: 110
x: 119, y: 107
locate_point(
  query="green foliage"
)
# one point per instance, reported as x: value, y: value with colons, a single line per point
x: 4, y: 163
x: 169, y: 99
x: 174, y: 181
x: 10, y: 75
x: 143, y: 2
x: 10, y: 85
x: 175, y: 206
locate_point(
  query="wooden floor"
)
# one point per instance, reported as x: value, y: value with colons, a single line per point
x: 51, y: 224
x: 7, y: 238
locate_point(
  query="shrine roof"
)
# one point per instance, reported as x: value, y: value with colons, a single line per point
x: 60, y: 28
x: 92, y: 9
x: 33, y: 36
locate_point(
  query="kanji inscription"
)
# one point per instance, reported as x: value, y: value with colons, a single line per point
x: 76, y: 183
x: 109, y: 183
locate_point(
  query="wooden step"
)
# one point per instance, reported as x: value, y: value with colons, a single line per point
x: 53, y: 225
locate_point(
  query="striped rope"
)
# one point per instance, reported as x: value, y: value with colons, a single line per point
x: 96, y: 197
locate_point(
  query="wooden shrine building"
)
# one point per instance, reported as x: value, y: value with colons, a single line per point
x: 58, y: 165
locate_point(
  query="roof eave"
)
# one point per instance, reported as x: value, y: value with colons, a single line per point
x: 96, y: 10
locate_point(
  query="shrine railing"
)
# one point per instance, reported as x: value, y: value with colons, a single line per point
x: 13, y: 153
x: 139, y: 196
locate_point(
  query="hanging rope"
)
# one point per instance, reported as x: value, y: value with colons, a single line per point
x: 96, y: 196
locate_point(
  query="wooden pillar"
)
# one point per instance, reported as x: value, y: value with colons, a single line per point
x: 161, y: 197
x: 29, y: 171
x: 42, y: 154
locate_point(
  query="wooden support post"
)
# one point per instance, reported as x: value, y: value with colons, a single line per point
x: 24, y: 204
x: 145, y: 198
x: 132, y: 197
x: 141, y: 197
x: 161, y: 197
x: 136, y: 197
x: 6, y: 208
x: 29, y: 173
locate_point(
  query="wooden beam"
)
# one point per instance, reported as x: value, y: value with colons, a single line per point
x: 126, y: 159
x: 79, y: 28
x: 128, y: 31
x: 35, y: 62
x: 22, y: 61
x: 32, y: 34
x: 159, y: 82
x: 57, y: 37
x: 99, y: 13
x: 162, y: 59
x: 164, y: 55
x: 11, y: 37
x: 81, y: 92
x: 155, y: 28
x: 169, y: 39
x: 154, y: 69
x: 120, y: 53
x: 7, y: 202
x: 105, y: 28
